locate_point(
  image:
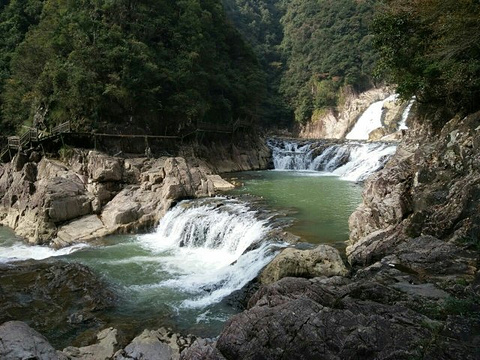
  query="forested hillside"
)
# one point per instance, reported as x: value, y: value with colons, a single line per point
x: 160, y: 66
x: 143, y: 65
x: 259, y: 24
x: 311, y: 49
x: 431, y: 50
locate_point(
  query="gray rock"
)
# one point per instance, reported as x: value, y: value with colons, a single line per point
x: 324, y: 260
x: 18, y: 341
x: 104, y: 168
x: 53, y: 297
x: 103, y: 350
x: 147, y: 346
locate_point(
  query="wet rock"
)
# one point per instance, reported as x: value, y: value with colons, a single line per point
x: 220, y: 184
x: 324, y: 260
x: 18, y: 341
x: 56, y: 298
x: 82, y: 230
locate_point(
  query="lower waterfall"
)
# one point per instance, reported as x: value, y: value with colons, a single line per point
x: 209, y: 248
x: 351, y: 160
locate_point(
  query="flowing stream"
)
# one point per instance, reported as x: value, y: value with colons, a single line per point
x: 184, y: 272
x: 201, y: 252
x: 351, y: 160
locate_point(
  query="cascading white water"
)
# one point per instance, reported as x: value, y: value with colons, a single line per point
x: 209, y: 249
x: 290, y: 155
x: 370, y: 120
x: 18, y: 251
x: 353, y: 160
x: 402, y: 125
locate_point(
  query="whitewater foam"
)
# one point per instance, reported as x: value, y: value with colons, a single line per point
x: 209, y: 248
x: 19, y: 251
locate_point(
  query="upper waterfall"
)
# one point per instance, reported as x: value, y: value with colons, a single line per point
x: 370, y: 120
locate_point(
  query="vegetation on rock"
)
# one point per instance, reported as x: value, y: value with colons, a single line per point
x: 431, y: 50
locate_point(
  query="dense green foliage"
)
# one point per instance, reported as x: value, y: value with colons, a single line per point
x: 431, y: 49
x: 16, y: 18
x: 259, y: 24
x: 139, y: 65
x: 310, y: 49
x: 327, y: 46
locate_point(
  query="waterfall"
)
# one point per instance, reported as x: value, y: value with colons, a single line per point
x: 402, y: 125
x: 352, y: 160
x: 290, y: 155
x: 210, y: 248
x: 370, y: 120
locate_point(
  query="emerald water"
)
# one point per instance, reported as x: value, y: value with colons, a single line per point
x: 318, y: 203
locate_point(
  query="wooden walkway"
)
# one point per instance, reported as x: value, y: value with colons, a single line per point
x: 34, y: 138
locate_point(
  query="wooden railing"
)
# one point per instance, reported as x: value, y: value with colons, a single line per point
x: 14, y: 142
x: 211, y: 127
x: 62, y: 128
x: 33, y: 136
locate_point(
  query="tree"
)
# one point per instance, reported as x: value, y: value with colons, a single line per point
x: 431, y: 50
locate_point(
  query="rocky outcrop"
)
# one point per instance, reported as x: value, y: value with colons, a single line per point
x: 382, y: 313
x: 242, y: 154
x: 18, y: 341
x: 430, y: 187
x: 336, y: 123
x: 93, y: 194
x: 324, y: 260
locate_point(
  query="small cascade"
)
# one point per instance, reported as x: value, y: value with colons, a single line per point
x: 402, y: 125
x: 209, y: 248
x: 370, y: 120
x: 352, y: 160
x: 290, y: 155
x: 18, y: 251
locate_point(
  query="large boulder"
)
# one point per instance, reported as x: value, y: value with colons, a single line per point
x: 18, y: 341
x: 104, y: 168
x: 104, y: 349
x: 147, y: 346
x: 324, y: 260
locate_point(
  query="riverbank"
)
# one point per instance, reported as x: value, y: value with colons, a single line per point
x: 414, y: 286
x: 87, y: 194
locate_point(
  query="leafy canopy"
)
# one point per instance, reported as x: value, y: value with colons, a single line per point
x: 134, y: 65
x: 431, y: 50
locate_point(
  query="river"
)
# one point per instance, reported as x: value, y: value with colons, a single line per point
x: 182, y: 274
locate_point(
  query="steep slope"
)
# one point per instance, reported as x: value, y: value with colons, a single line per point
x: 142, y: 66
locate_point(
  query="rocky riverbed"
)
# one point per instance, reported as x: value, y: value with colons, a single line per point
x: 88, y: 194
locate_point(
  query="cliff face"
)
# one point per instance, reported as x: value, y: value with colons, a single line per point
x: 430, y: 187
x: 336, y: 123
